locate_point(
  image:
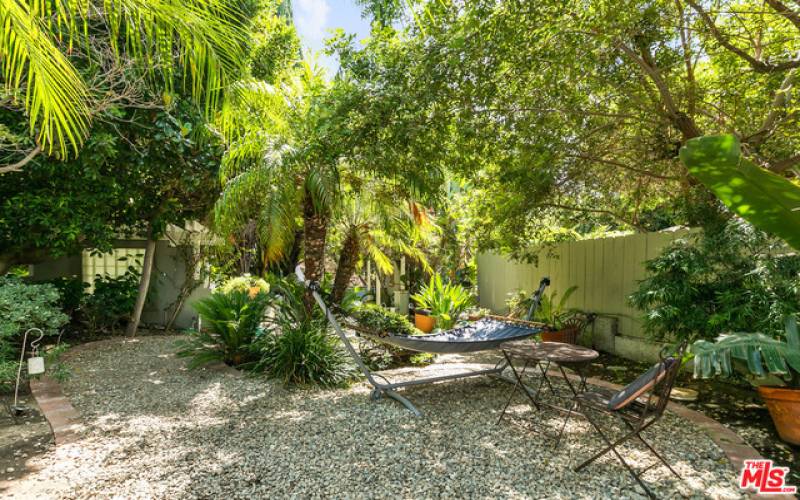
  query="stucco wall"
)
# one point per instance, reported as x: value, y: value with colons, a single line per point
x: 167, y: 278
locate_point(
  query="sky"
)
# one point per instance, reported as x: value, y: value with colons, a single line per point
x: 314, y: 18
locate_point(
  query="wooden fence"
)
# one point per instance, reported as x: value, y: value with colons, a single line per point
x: 605, y: 271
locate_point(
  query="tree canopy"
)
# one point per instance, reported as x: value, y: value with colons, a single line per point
x: 571, y: 115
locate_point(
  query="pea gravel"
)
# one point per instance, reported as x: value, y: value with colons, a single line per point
x: 157, y: 430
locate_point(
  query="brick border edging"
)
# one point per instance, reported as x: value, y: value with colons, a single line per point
x: 64, y: 420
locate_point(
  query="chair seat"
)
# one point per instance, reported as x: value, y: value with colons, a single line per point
x: 598, y: 399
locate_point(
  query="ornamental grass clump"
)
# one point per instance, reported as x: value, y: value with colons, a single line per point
x: 304, y: 353
x: 297, y: 346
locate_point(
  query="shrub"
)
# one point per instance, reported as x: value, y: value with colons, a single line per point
x: 733, y: 279
x: 246, y: 284
x: 111, y: 302
x: 446, y: 301
x: 304, y: 353
x: 298, y: 347
x: 230, y: 323
x: 381, y: 320
x: 379, y: 355
x: 71, y: 292
x: 23, y: 306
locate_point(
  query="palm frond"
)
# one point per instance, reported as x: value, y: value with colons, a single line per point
x: 381, y: 260
x: 281, y: 207
x: 322, y: 184
x: 253, y: 104
x: 55, y: 96
x: 203, y: 37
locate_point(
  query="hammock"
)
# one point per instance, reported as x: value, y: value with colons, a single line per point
x: 485, y: 334
x: 482, y: 335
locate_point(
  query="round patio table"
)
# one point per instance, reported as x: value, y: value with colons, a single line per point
x: 543, y: 354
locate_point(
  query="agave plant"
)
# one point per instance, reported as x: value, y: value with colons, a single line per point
x: 445, y: 301
x: 231, y: 322
x: 768, y: 360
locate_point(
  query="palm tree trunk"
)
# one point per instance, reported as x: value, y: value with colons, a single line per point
x: 144, y: 283
x: 348, y: 258
x: 315, y: 231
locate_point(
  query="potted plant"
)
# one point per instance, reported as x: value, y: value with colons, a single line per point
x: 553, y: 312
x: 443, y: 303
x: 423, y: 320
x: 771, y: 364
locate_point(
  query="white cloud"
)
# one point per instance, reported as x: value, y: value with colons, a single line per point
x: 311, y: 18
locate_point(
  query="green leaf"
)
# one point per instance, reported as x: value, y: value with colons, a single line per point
x: 766, y: 200
x: 792, y: 337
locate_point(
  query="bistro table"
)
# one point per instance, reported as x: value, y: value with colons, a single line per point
x: 543, y: 354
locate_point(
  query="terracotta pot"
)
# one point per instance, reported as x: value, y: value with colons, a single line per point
x: 784, y: 408
x: 424, y: 322
x: 567, y: 336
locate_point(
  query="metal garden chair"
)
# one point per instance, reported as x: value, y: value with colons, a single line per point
x: 638, y: 405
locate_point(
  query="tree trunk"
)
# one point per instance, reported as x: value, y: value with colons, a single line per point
x: 144, y: 283
x: 346, y: 266
x: 315, y: 229
x: 5, y: 265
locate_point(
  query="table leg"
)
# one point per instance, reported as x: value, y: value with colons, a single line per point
x: 566, y: 379
x: 581, y: 388
x: 517, y: 385
x: 543, y: 368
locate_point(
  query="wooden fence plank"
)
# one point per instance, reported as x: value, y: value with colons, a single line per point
x: 605, y: 270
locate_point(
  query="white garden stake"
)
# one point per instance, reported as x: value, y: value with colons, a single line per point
x: 35, y: 367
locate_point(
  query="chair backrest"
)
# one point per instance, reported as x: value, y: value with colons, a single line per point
x: 643, y: 384
x: 663, y: 390
x: 572, y: 327
x: 656, y: 383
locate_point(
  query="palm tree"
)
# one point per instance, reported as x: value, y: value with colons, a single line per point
x: 374, y: 224
x: 46, y: 48
x: 276, y: 166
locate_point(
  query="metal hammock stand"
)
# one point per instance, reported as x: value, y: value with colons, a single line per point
x: 486, y: 334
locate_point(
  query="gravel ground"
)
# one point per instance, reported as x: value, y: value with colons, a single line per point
x: 156, y: 430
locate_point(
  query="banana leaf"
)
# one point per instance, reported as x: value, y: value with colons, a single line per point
x: 762, y: 354
x: 766, y: 200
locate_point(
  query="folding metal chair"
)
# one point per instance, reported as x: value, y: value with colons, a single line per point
x: 638, y: 405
